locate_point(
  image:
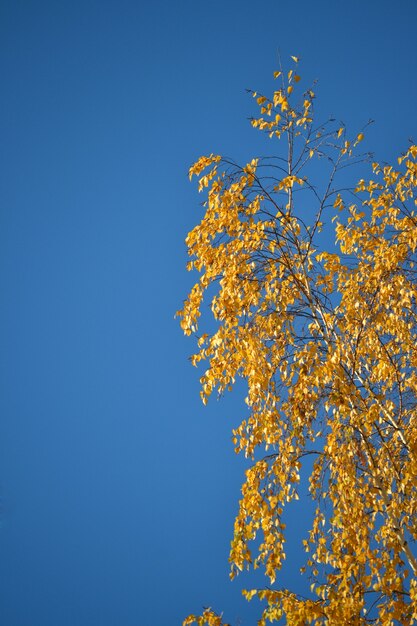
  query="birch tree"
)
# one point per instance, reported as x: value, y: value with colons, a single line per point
x: 312, y: 287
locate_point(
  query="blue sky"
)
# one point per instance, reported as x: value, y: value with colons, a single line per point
x: 118, y: 488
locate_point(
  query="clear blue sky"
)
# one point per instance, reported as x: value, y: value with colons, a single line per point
x: 118, y: 488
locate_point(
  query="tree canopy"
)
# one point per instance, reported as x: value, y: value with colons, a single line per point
x: 323, y: 329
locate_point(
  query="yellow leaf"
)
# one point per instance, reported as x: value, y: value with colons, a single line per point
x: 296, y: 59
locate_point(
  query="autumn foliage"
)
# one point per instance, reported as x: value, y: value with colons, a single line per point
x: 312, y: 285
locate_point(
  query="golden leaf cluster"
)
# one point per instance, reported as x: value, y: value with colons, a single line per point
x: 325, y: 336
